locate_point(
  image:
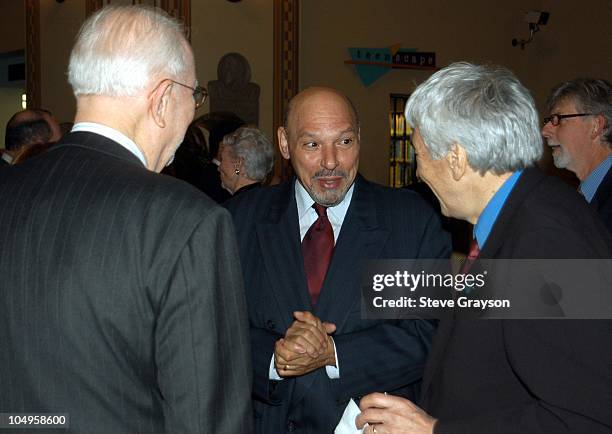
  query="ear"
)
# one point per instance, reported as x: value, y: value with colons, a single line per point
x: 457, y: 161
x: 158, y: 103
x: 599, y: 125
x: 283, y: 143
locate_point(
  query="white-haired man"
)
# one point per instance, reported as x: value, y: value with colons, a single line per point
x: 477, y: 138
x: 579, y: 131
x: 121, y: 299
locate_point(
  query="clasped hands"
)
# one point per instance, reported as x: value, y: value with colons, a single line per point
x: 306, y: 347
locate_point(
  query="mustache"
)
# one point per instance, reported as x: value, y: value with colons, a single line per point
x: 324, y: 173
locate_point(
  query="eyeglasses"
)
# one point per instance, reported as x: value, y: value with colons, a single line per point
x: 554, y: 118
x: 199, y: 93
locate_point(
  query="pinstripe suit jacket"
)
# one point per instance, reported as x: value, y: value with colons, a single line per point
x: 372, y: 355
x: 121, y: 301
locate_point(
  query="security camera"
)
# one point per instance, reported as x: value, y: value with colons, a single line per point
x: 538, y: 18
x: 535, y: 19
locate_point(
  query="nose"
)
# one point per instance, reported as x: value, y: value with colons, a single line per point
x: 329, y: 158
x: 547, y: 130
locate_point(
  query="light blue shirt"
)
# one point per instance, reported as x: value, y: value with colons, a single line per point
x: 589, y: 186
x: 113, y: 134
x: 489, y: 214
x: 307, y: 216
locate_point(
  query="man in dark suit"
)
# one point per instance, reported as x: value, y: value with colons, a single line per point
x: 311, y: 350
x: 121, y: 300
x: 579, y: 130
x: 495, y: 375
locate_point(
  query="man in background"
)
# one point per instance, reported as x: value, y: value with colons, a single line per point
x: 121, y: 298
x: 29, y: 127
x: 302, y: 246
x: 579, y: 131
x: 477, y: 139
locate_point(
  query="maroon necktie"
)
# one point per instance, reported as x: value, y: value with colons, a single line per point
x: 471, y: 257
x: 317, y: 249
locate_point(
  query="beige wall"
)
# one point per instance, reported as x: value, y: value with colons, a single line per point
x: 575, y: 42
x: 12, y: 26
x: 59, y: 24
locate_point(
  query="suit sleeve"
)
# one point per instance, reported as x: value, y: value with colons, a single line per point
x: 391, y: 354
x: 201, y: 340
x: 564, y: 365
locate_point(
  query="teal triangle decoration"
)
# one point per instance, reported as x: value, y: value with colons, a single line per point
x: 369, y: 73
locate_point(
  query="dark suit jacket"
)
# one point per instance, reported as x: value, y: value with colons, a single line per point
x: 121, y: 301
x: 527, y: 376
x: 372, y: 355
x: 602, y: 201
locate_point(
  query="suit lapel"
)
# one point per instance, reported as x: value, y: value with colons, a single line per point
x: 279, y: 240
x: 604, y: 191
x: 361, y: 237
x: 529, y: 179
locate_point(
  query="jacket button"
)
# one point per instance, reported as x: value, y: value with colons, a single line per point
x: 271, y: 325
x: 290, y: 426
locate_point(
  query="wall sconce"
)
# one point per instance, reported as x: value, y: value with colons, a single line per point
x: 535, y: 19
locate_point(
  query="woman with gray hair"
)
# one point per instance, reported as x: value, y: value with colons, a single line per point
x: 244, y: 160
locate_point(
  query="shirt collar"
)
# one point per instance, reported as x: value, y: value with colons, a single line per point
x: 589, y: 186
x: 489, y: 214
x: 112, y: 134
x: 6, y: 157
x: 305, y: 202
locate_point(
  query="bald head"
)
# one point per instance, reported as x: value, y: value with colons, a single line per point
x: 315, y: 95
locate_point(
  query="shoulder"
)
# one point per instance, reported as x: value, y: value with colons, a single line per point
x: 553, y: 220
x: 393, y: 201
x: 260, y: 200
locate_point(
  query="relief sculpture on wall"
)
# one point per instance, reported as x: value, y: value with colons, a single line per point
x: 233, y: 91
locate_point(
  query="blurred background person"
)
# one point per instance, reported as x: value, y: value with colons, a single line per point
x: 245, y: 159
x: 29, y: 127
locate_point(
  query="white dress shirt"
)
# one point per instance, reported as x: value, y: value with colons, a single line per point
x: 307, y: 216
x: 113, y: 134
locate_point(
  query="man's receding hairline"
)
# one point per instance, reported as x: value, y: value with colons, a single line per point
x: 304, y: 95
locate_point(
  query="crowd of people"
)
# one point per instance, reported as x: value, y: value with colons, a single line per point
x: 134, y: 303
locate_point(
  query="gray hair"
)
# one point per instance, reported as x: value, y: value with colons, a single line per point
x: 120, y: 49
x: 255, y: 150
x: 484, y: 109
x: 590, y: 95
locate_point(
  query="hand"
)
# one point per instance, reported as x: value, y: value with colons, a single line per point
x: 306, y: 346
x: 390, y: 414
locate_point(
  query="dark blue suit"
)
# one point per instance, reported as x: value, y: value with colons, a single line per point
x: 602, y: 201
x: 527, y: 376
x: 372, y: 355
